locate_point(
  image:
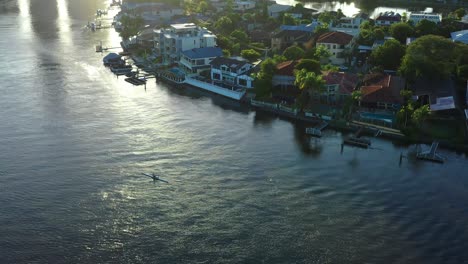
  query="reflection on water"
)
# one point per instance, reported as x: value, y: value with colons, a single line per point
x: 245, y: 186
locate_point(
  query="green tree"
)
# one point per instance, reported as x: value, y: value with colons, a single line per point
x: 202, y: 7
x: 431, y: 57
x: 309, y: 81
x: 240, y: 36
x: 401, y: 31
x: 322, y: 53
x: 462, y: 72
x: 379, y: 34
x: 326, y: 17
x: 293, y: 53
x: 368, y: 25
x: 309, y: 65
x: 130, y: 26
x: 224, y: 25
x: 250, y: 54
x: 288, y: 19
x: 229, y: 7
x: 426, y: 27
x: 263, y: 80
x: 420, y: 115
x: 460, y: 12
x: 389, y: 55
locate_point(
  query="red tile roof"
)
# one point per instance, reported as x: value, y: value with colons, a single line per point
x: 382, y: 88
x: 346, y: 81
x: 335, y: 37
x: 286, y: 68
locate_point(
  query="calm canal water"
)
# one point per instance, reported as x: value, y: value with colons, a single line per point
x: 244, y: 187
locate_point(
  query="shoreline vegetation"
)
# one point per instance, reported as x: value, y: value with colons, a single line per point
x: 413, y: 121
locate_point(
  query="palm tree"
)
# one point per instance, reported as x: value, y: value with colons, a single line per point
x: 310, y: 82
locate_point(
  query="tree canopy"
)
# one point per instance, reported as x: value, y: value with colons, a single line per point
x: 293, y: 53
x: 431, y: 57
x: 401, y: 31
x: 309, y: 65
x: 389, y: 55
x: 250, y: 54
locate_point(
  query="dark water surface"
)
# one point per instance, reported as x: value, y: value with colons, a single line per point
x: 244, y: 187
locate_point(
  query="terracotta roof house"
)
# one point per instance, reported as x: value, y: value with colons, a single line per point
x: 336, y: 43
x: 387, y: 18
x: 283, y: 82
x: 339, y: 86
x: 382, y: 91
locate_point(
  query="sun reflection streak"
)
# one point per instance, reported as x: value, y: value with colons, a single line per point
x: 25, y: 17
x: 63, y: 21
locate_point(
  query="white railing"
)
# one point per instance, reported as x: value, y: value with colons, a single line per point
x: 263, y: 104
x: 288, y: 109
x: 233, y: 94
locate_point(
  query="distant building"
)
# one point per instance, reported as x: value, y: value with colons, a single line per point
x: 460, y: 36
x: 172, y: 41
x: 349, y: 25
x: 416, y: 17
x: 387, y: 18
x: 232, y: 72
x: 336, y: 43
x: 243, y: 5
x: 465, y: 19
x: 152, y: 13
x: 197, y: 60
x: 292, y: 35
x: 275, y: 10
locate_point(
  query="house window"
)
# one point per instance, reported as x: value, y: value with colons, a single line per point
x: 242, y: 82
x: 216, y: 76
x: 334, y: 46
x: 328, y: 46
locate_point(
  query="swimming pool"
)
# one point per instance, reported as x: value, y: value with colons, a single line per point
x: 387, y: 118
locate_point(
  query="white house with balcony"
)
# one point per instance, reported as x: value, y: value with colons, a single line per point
x: 170, y: 42
x: 416, y: 17
x: 232, y: 72
x: 194, y: 61
x: 336, y: 43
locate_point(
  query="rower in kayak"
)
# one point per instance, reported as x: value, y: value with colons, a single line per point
x: 154, y: 177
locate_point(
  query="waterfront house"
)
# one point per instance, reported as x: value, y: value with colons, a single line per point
x: 439, y: 94
x: 171, y: 41
x: 275, y: 10
x: 338, y: 86
x: 387, y: 18
x: 195, y: 61
x: 460, y: 36
x: 382, y: 91
x: 417, y: 17
x: 231, y: 72
x: 283, y: 80
x: 336, y: 43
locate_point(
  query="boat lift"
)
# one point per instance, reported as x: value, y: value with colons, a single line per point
x: 431, y: 154
x: 317, y: 130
